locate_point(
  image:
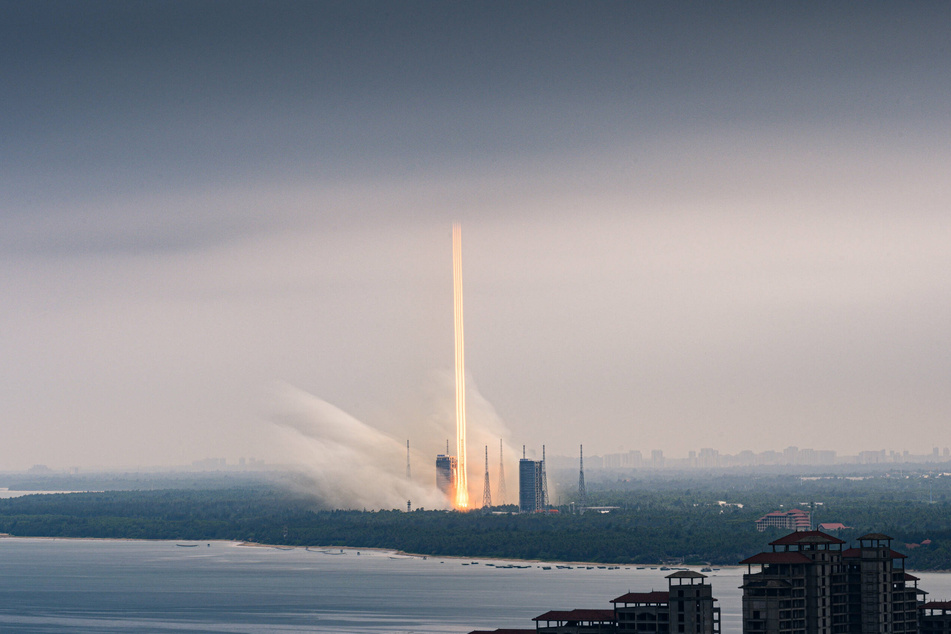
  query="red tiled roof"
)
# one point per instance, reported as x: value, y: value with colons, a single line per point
x: 857, y: 552
x: 778, y: 558
x: 909, y: 577
x: 832, y: 526
x: 655, y: 596
x: 936, y: 605
x: 576, y: 615
x: 806, y: 537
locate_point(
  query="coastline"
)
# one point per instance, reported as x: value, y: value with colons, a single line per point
x: 390, y: 552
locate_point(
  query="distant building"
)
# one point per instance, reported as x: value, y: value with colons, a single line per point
x: 832, y: 526
x: 794, y: 520
x: 709, y: 458
x: 809, y: 585
x: 446, y: 475
x: 530, y: 493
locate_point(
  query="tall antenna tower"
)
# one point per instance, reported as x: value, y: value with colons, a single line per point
x: 545, y: 500
x: 502, y: 494
x: 486, y: 491
x: 408, y: 476
x: 582, y: 490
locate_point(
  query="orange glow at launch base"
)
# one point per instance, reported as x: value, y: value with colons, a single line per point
x: 461, y: 501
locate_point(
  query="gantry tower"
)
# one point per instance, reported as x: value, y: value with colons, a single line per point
x: 545, y: 501
x: 582, y: 490
x: 486, y: 491
x: 502, y: 493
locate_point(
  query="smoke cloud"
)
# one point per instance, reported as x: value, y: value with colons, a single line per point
x: 484, y: 427
x: 347, y: 464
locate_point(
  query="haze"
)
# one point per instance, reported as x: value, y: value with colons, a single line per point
x: 684, y: 225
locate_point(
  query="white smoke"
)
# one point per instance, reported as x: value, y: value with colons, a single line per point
x: 484, y: 427
x: 350, y: 465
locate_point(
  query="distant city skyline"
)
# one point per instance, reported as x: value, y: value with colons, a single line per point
x: 687, y: 225
x: 711, y: 458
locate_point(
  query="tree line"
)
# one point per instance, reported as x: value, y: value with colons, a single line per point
x: 693, y: 521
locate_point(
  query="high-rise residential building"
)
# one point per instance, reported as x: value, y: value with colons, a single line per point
x: 709, y: 458
x: 530, y: 492
x: 934, y: 617
x: 688, y: 607
x: 808, y: 584
x: 446, y: 475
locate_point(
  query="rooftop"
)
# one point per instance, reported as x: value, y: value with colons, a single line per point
x: 686, y: 574
x: 790, y: 557
x: 857, y: 552
x: 576, y: 615
x: 654, y: 596
x: 806, y: 537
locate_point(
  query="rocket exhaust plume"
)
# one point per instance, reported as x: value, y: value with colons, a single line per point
x: 462, y: 485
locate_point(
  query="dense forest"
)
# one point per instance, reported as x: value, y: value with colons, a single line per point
x: 675, y: 518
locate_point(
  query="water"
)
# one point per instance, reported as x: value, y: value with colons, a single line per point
x: 49, y: 585
x: 6, y: 493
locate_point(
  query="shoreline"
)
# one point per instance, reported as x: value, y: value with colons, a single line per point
x: 388, y: 551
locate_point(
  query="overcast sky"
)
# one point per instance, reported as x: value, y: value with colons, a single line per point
x: 684, y: 225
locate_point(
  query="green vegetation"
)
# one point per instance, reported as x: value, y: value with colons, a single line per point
x: 658, y: 519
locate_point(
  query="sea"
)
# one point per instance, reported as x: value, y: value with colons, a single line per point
x: 101, y: 586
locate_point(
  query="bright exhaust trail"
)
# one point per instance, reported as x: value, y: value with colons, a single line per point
x: 462, y: 485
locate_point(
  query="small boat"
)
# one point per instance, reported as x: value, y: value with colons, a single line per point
x: 187, y: 545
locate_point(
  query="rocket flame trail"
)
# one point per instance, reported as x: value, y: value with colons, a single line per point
x: 462, y: 485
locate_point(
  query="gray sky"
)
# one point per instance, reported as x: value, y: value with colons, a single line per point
x: 685, y: 225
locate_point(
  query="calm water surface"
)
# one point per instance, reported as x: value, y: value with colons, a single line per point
x: 132, y: 586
